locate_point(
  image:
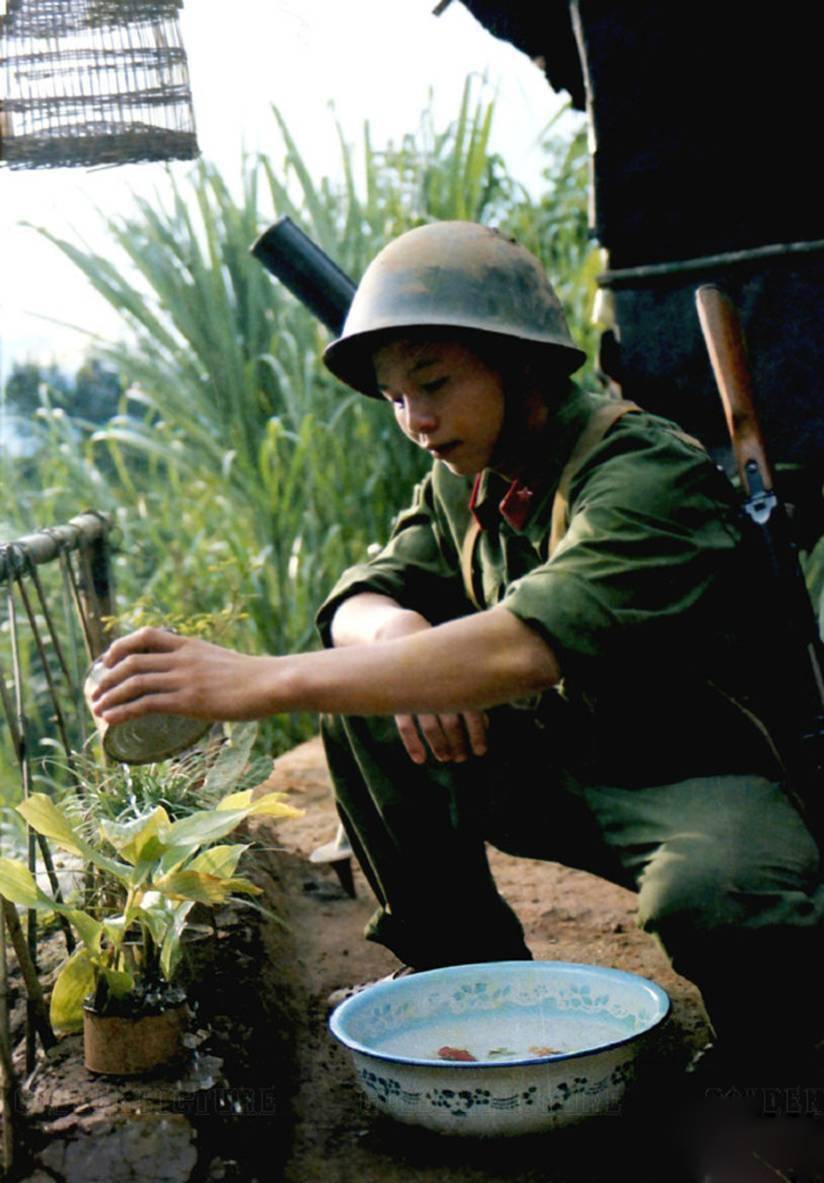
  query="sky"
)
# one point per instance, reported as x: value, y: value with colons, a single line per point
x: 374, y: 59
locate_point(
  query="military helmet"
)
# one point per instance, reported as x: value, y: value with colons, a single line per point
x: 450, y: 275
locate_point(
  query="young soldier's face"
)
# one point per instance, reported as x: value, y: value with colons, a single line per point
x: 445, y: 399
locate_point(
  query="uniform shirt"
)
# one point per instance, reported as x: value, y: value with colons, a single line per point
x: 640, y: 602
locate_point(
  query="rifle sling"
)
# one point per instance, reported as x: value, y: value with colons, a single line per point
x: 596, y: 427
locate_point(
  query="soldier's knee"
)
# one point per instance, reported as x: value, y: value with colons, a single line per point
x: 681, y: 898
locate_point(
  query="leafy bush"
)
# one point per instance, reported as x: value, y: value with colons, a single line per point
x: 159, y: 870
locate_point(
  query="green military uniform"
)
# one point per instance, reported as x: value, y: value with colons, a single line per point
x: 642, y: 766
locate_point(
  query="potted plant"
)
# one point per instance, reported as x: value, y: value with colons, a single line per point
x: 120, y: 984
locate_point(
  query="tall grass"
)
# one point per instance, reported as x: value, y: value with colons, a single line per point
x: 245, y: 478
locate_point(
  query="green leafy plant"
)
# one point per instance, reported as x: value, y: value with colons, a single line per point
x: 223, y: 761
x: 153, y: 870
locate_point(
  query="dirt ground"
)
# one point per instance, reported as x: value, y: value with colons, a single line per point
x: 568, y: 916
x: 268, y: 1096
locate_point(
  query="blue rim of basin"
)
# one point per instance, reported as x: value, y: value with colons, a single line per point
x: 655, y: 993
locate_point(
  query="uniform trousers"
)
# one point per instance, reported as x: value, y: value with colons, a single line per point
x: 727, y: 875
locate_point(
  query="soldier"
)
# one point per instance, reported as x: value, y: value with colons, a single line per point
x: 546, y: 655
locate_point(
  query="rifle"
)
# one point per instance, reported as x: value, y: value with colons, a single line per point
x: 306, y: 271
x: 792, y: 650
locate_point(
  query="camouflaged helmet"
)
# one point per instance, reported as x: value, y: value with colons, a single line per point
x: 450, y: 275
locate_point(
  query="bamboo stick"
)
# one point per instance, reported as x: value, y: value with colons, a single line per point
x: 25, y: 779
x: 59, y: 717
x: 52, y: 630
x: 71, y: 622
x: 9, y: 1087
x: 11, y: 717
x: 629, y: 276
x: 79, y: 606
x: 91, y: 604
x: 48, y: 862
x: 34, y: 990
x: 43, y: 546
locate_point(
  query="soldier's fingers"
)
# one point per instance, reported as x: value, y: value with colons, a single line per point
x: 455, y: 735
x: 144, y: 640
x: 433, y: 733
x: 134, y: 672
x: 142, y: 704
x: 476, y: 723
x: 410, y: 737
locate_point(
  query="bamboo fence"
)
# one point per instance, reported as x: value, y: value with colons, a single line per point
x: 50, y: 632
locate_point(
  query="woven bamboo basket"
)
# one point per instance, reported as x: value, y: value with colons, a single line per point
x: 93, y: 82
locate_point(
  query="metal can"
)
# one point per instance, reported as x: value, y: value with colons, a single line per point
x: 144, y: 740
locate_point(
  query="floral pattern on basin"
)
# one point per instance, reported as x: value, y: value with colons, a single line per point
x: 570, y: 1099
x: 593, y: 1021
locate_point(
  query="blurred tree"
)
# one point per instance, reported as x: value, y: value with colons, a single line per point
x: 91, y: 394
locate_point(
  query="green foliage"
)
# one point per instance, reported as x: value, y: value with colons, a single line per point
x: 27, y: 381
x: 121, y: 793
x: 245, y: 478
x: 92, y: 395
x: 556, y: 230
x: 152, y: 870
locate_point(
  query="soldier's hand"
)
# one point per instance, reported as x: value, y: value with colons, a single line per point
x: 154, y: 670
x: 450, y: 738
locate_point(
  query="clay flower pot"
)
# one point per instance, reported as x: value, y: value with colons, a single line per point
x: 114, y: 1045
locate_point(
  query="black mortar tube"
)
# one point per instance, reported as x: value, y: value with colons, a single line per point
x: 307, y: 272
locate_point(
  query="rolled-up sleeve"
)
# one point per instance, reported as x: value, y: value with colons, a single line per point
x: 650, y: 528
x: 418, y: 567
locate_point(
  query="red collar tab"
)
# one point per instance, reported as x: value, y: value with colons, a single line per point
x: 514, y: 508
x: 516, y: 505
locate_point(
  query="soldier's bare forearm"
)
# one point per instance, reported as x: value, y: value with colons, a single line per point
x: 472, y: 663
x: 468, y: 664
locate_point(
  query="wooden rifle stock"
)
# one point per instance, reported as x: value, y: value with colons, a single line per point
x: 724, y: 339
x: 781, y: 594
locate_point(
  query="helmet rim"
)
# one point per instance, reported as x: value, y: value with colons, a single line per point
x: 350, y: 358
x: 446, y: 275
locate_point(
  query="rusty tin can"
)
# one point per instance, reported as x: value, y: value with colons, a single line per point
x: 147, y: 739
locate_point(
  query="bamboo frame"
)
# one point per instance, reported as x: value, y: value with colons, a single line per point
x: 93, y: 82
x: 43, y: 546
x: 652, y: 272
x: 25, y: 780
x: 86, y: 539
x: 29, y: 971
x: 9, y: 1083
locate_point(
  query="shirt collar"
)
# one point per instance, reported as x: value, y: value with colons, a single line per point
x: 494, y: 497
x: 514, y: 507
